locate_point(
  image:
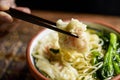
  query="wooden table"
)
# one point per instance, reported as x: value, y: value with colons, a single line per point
x: 15, y: 36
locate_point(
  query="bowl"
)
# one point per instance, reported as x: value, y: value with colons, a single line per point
x: 47, y: 32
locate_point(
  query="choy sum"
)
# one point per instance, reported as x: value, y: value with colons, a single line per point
x: 108, y: 68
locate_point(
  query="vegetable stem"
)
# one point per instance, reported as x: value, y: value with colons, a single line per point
x: 116, y: 67
x: 108, y: 69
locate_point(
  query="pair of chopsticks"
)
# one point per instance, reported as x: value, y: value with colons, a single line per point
x: 37, y: 20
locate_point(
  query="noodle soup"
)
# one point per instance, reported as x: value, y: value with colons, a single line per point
x: 92, y: 56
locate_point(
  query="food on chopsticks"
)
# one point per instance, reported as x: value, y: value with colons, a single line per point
x: 95, y: 55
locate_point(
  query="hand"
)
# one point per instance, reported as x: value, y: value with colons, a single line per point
x: 5, y: 5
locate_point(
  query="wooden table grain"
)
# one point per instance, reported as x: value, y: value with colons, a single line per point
x: 15, y: 36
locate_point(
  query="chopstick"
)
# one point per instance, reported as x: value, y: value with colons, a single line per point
x: 37, y: 20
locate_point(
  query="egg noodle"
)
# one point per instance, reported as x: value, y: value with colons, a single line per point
x: 63, y: 57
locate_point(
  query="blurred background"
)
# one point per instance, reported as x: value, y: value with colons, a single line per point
x: 111, y: 7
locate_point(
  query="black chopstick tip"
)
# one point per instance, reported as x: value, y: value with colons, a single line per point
x: 74, y: 35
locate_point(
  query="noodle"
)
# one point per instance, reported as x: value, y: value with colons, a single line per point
x: 73, y: 61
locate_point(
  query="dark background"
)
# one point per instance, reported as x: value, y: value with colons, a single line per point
x: 111, y: 7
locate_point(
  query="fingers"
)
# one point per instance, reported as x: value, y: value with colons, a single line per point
x: 5, y: 17
x: 4, y: 4
x: 24, y: 9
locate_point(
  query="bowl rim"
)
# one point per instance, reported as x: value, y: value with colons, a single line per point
x: 111, y: 26
x: 28, y: 59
